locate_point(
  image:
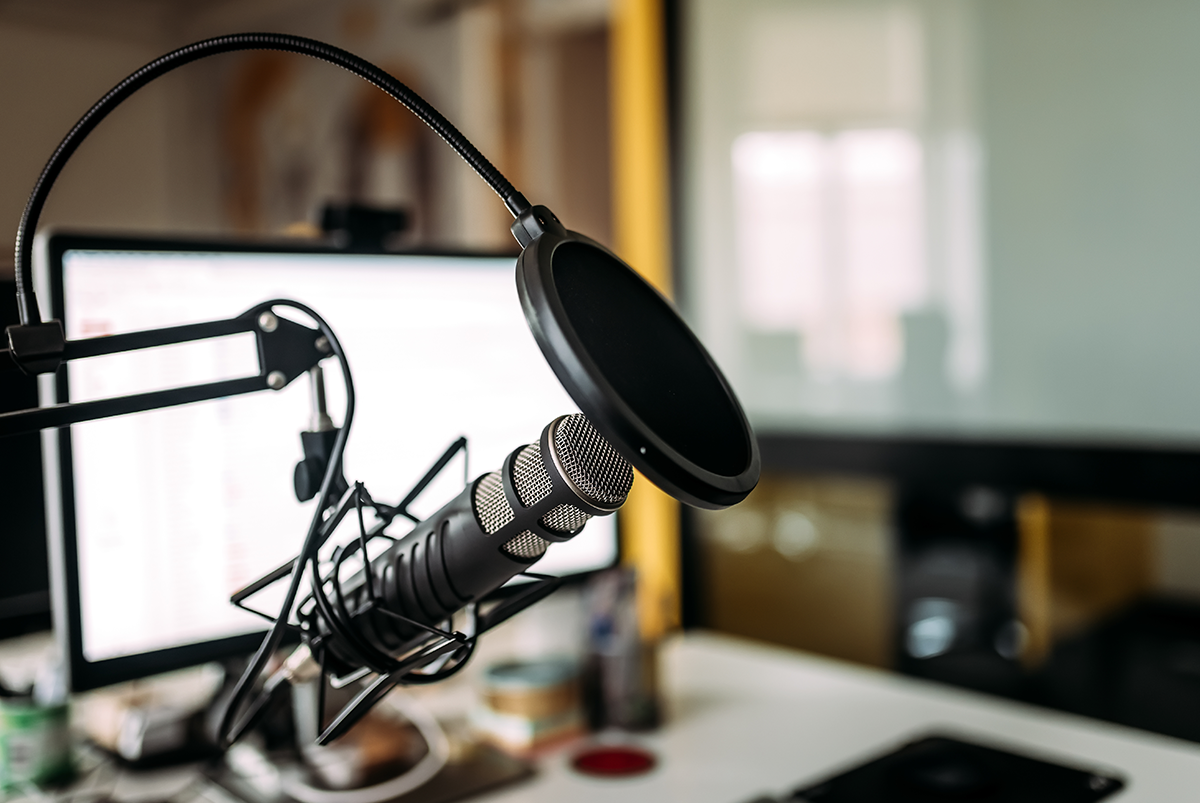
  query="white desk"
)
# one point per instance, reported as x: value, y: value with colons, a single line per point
x: 747, y: 719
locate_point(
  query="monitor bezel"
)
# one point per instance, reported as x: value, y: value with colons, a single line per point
x: 24, y: 573
x: 58, y: 470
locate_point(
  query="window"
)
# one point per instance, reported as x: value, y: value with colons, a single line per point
x: 830, y: 244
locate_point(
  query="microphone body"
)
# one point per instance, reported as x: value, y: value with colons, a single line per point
x: 500, y: 525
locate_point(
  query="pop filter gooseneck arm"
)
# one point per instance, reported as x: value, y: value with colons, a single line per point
x: 36, y: 346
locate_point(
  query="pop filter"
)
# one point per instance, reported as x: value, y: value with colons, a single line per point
x: 633, y: 366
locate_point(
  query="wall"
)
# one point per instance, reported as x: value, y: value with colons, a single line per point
x: 163, y: 161
x: 51, y: 77
x: 1091, y: 125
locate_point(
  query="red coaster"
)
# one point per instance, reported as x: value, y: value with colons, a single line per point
x: 614, y: 761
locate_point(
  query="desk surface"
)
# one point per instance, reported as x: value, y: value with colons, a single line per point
x: 747, y: 719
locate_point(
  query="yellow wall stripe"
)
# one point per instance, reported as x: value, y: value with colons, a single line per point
x: 642, y: 234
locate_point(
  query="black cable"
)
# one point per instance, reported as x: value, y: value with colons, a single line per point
x: 360, y: 490
x: 232, y: 715
x: 339, y: 620
x: 460, y: 658
x: 27, y: 302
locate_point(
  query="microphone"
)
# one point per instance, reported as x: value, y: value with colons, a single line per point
x: 494, y: 530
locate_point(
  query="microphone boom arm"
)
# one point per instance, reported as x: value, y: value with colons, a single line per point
x: 286, y: 350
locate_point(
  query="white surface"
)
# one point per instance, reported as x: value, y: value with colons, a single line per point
x: 746, y: 719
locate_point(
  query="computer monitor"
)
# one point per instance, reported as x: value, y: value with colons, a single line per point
x: 156, y: 518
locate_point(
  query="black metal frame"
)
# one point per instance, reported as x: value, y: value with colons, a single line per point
x: 1132, y: 472
x: 286, y: 350
x: 24, y: 572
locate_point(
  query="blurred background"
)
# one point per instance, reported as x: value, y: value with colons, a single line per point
x: 257, y: 143
x: 943, y: 249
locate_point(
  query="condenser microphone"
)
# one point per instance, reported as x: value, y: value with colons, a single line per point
x: 494, y: 530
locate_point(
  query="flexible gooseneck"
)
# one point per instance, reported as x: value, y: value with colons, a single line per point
x: 27, y: 306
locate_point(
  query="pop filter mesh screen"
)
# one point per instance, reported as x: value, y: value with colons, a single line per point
x: 650, y: 358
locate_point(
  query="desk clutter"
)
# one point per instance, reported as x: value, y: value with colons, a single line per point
x: 742, y: 718
x: 471, y: 767
x: 35, y: 743
x: 35, y: 733
x: 529, y: 705
x: 521, y: 705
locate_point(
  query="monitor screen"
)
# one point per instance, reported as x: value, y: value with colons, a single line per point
x: 173, y: 510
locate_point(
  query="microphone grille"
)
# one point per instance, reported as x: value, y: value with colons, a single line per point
x: 531, y: 480
x: 526, y: 546
x: 532, y: 483
x: 565, y: 518
x: 490, y: 504
x: 591, y: 463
